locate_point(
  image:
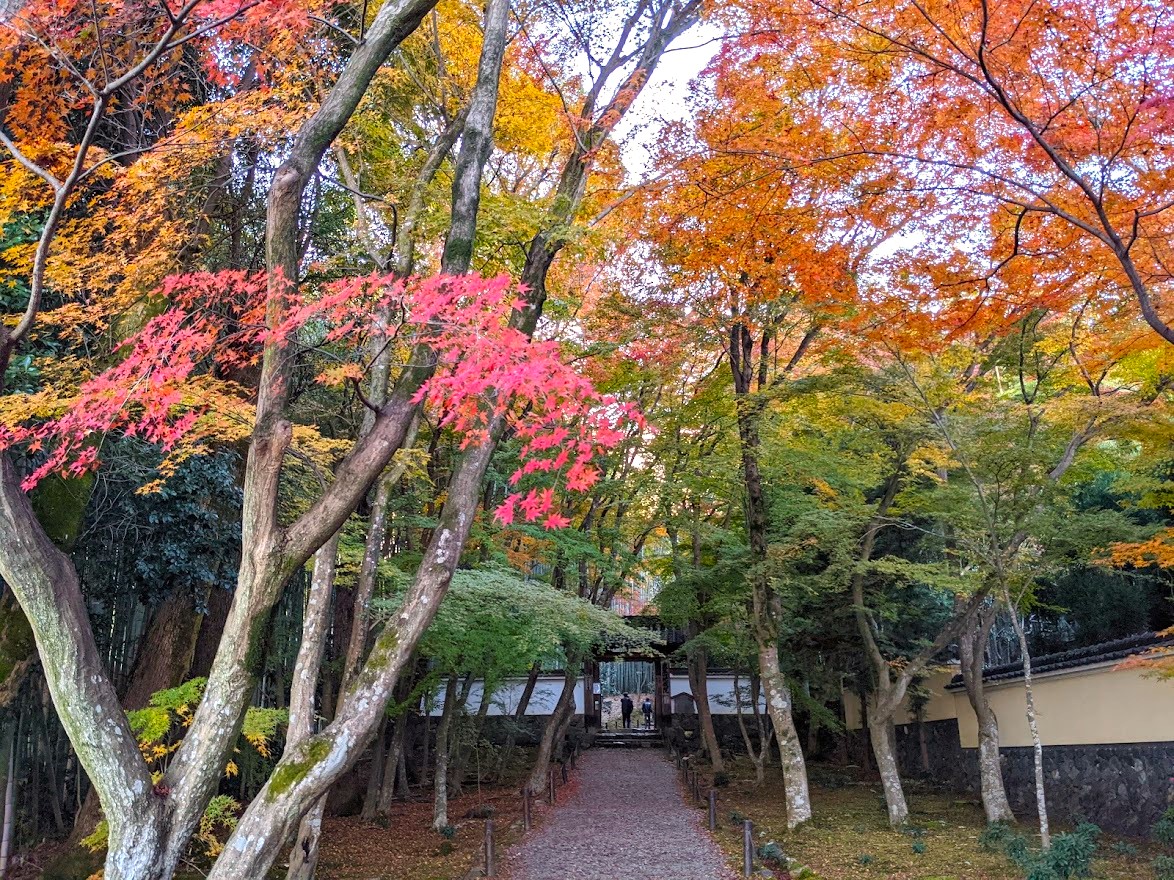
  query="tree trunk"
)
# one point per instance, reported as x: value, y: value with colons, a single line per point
x: 163, y: 660
x: 698, y: 673
x: 466, y: 749
x: 884, y: 748
x: 564, y: 707
x: 211, y: 628
x: 375, y: 774
x: 303, y: 856
x: 45, y: 583
x: 1037, y: 747
x: 519, y: 714
x: 972, y: 646
x: 52, y: 778
x: 757, y: 756
x: 165, y: 655
x: 8, y: 790
x: 440, y: 774
x: 888, y: 694
x: 765, y: 605
x: 778, y: 705
x: 395, y: 759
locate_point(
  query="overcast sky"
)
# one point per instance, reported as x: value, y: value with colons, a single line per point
x: 666, y: 97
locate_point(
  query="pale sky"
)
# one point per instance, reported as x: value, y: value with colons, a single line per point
x: 666, y: 97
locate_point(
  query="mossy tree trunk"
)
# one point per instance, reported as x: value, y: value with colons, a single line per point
x: 972, y: 648
x: 563, y: 709
x: 698, y: 675
x: 765, y: 605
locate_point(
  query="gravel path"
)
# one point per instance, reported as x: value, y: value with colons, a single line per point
x: 625, y: 819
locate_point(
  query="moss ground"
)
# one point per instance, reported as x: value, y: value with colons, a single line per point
x: 850, y: 838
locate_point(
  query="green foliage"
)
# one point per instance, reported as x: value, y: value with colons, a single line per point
x: 166, y: 710
x: 864, y: 860
x: 772, y: 853
x: 1071, y: 854
x: 184, y: 536
x: 220, y: 816
x: 1069, y: 857
x: 1125, y: 848
x: 1163, y: 867
x: 96, y: 840
x: 494, y: 624
x: 919, y: 847
x: 995, y: 836
x: 260, y: 727
x: 1163, y: 831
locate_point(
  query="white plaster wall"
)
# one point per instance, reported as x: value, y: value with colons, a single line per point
x: 505, y: 699
x: 721, y: 692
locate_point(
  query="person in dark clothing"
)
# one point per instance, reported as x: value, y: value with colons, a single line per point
x: 646, y: 709
x: 626, y: 710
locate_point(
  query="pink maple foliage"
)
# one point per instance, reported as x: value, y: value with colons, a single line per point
x: 216, y: 324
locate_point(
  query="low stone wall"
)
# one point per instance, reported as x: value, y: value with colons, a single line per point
x: 1122, y: 788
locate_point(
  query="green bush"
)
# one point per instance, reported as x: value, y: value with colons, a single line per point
x: 1164, y: 828
x: 919, y: 847
x: 995, y: 836
x: 772, y: 853
x: 864, y: 859
x: 1071, y: 855
x: 1125, y: 848
x: 1069, y: 858
x: 1164, y: 867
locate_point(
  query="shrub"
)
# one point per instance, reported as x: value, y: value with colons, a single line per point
x: 919, y: 847
x: 1069, y: 858
x: 1164, y: 867
x: 1164, y: 828
x: 721, y: 779
x: 1124, y: 848
x: 864, y: 859
x: 1071, y: 854
x: 772, y: 852
x: 995, y: 836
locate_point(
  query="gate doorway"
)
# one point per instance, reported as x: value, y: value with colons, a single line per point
x: 639, y: 679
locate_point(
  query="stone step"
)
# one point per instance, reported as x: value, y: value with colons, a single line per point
x: 630, y: 739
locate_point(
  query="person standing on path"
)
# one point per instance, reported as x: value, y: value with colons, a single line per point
x: 646, y: 710
x: 626, y: 711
